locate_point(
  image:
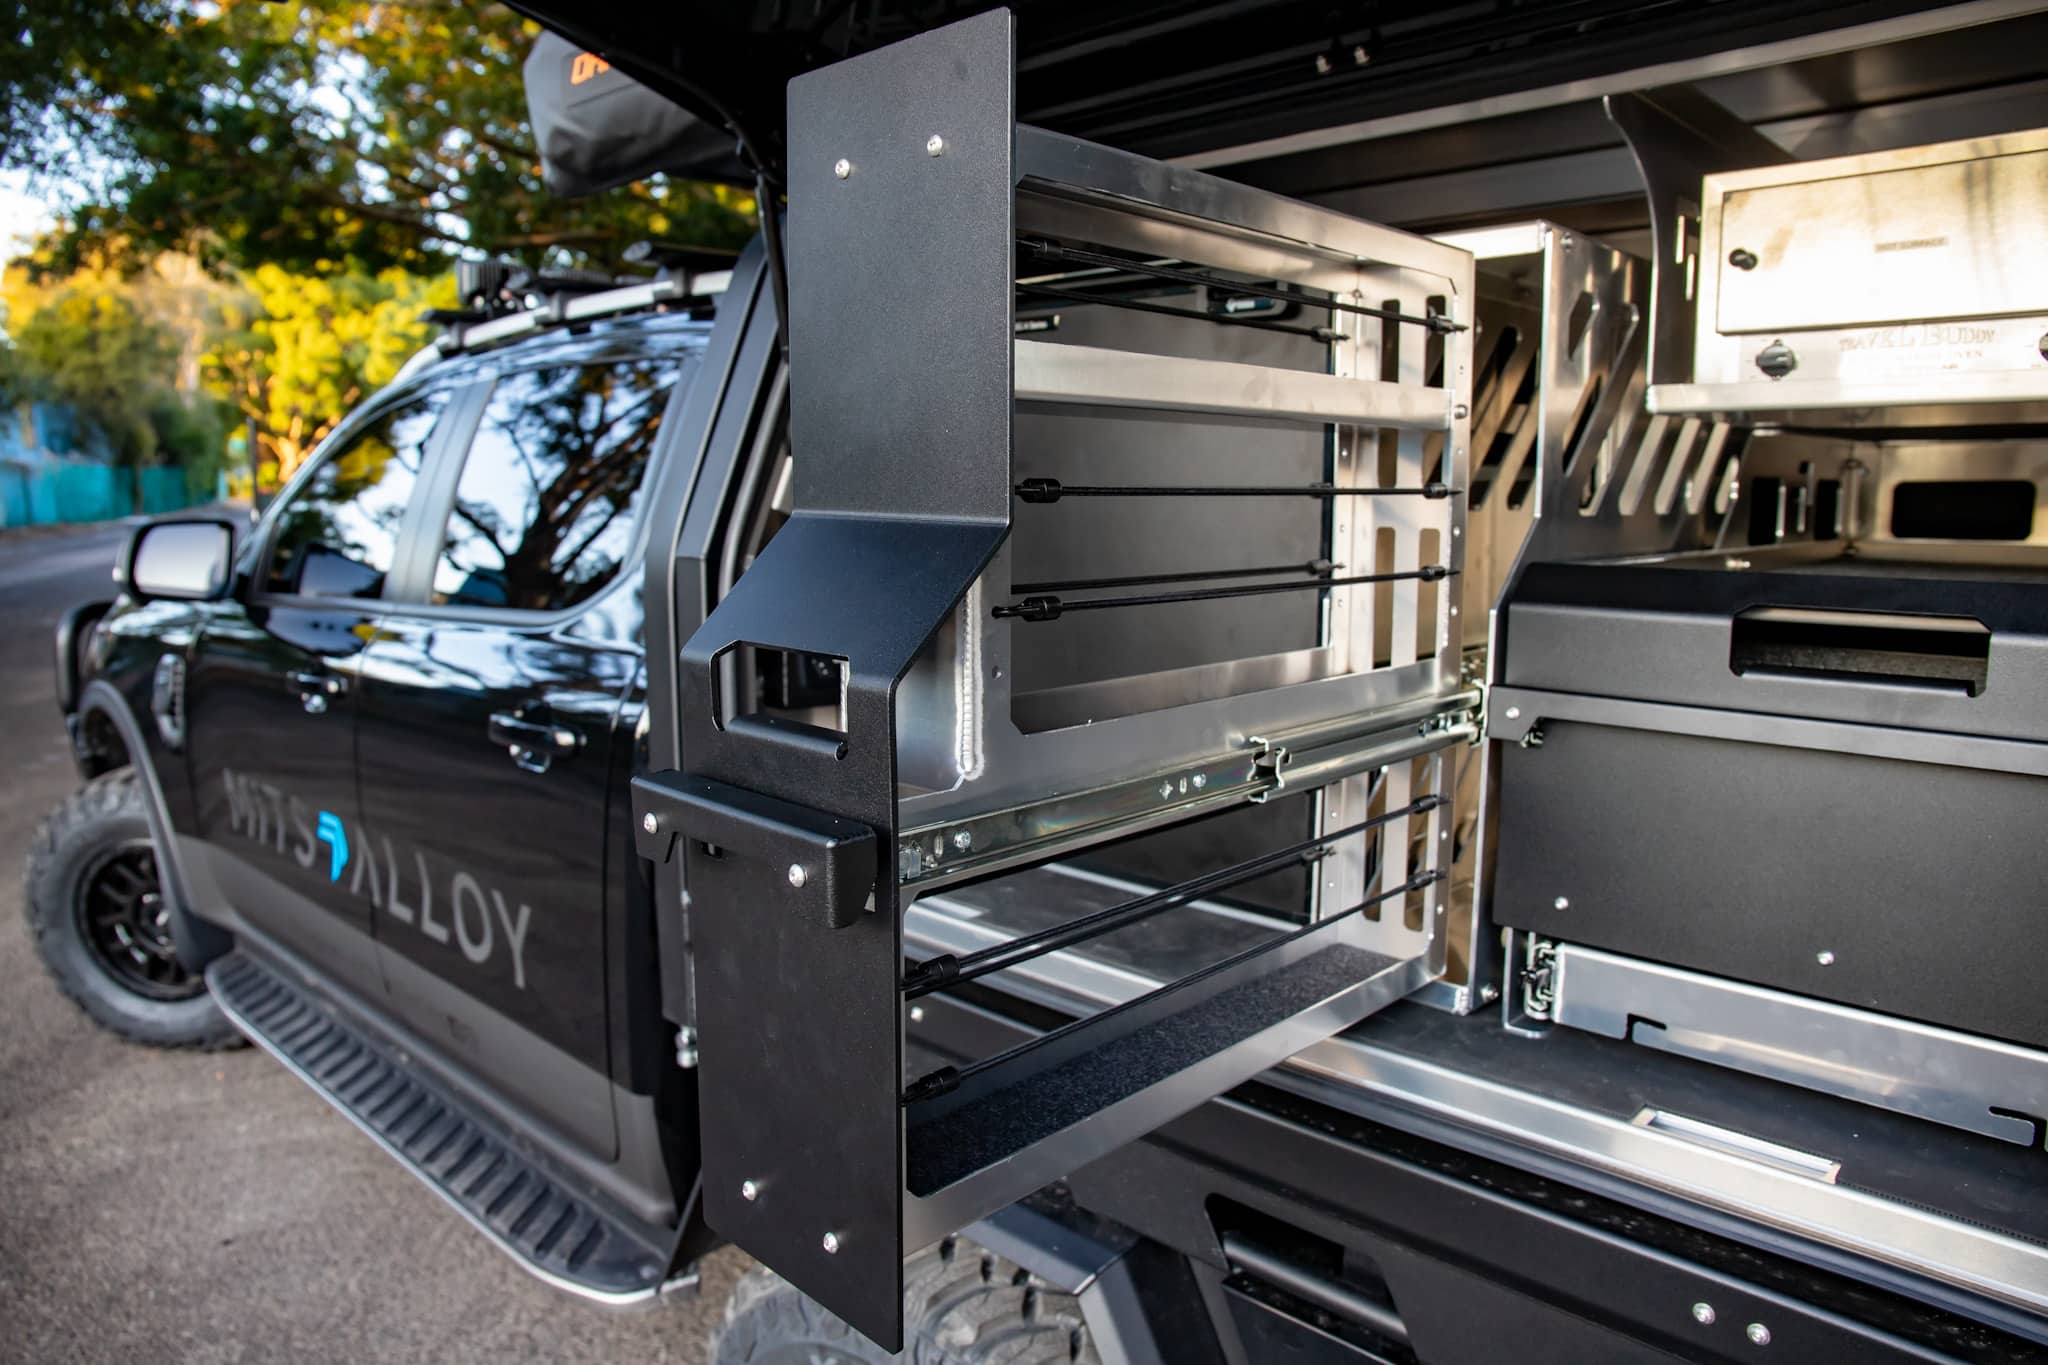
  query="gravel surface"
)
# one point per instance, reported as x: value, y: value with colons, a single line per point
x: 160, y: 1206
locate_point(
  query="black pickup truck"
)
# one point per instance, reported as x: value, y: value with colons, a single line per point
x: 1102, y: 762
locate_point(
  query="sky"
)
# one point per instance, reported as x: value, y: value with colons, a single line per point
x: 22, y: 214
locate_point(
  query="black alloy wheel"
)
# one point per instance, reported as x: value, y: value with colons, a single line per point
x: 123, y: 918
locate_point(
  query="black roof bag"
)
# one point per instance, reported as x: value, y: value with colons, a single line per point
x: 598, y: 128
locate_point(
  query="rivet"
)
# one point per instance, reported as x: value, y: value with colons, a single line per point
x: 1514, y: 713
x: 917, y: 1014
x: 1201, y: 781
x: 1461, y: 412
x: 1758, y: 1334
x: 1824, y: 958
x: 797, y: 875
x: 842, y: 168
x: 1703, y: 1314
x: 1561, y: 903
x: 934, y: 145
x: 831, y: 1244
x: 650, y: 823
x: 749, y: 1191
x: 963, y: 839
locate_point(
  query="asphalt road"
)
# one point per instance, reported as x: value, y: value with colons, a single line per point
x: 162, y: 1206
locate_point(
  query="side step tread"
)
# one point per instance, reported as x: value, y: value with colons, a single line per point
x: 553, y: 1231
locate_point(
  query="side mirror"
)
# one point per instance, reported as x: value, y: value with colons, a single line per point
x: 190, y: 561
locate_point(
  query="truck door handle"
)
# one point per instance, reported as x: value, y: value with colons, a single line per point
x: 533, y: 744
x: 315, y: 690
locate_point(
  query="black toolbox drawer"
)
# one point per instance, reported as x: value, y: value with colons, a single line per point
x: 1826, y: 778
x: 1915, y: 889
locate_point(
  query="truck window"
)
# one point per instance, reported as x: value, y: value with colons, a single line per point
x: 544, y: 511
x: 338, y: 531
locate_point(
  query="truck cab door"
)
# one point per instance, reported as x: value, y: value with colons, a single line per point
x: 271, y: 695
x: 486, y: 740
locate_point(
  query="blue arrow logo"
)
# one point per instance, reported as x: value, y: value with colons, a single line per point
x: 329, y: 829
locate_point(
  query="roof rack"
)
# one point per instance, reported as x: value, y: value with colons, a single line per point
x: 504, y: 301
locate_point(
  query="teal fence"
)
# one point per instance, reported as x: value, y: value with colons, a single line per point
x: 34, y: 495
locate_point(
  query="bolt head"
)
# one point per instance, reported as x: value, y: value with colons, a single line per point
x: 1201, y: 781
x: 917, y: 1014
x: 749, y: 1191
x: 1777, y: 359
x: 649, y: 823
x: 842, y: 168
x: 1703, y: 1314
x: 1514, y: 713
x: 963, y: 840
x: 1758, y: 1334
x: 934, y: 145
x: 1561, y: 903
x: 1824, y: 958
x: 831, y: 1244
x: 797, y: 875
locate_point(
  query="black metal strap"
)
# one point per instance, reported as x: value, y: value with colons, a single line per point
x: 939, y: 972
x: 1052, y: 490
x: 1073, y: 255
x: 948, y: 1078
x: 1192, y: 314
x: 1313, y: 566
x: 1049, y: 607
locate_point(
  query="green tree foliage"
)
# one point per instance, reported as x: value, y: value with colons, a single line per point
x: 317, y: 136
x: 296, y: 352
x: 94, y: 344
x: 93, y: 350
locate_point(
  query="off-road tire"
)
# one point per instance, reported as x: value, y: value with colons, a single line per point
x: 961, y: 1306
x: 107, y: 813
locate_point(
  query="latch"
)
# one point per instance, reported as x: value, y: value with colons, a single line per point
x: 827, y: 863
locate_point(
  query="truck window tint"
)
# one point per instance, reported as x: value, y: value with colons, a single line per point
x: 544, y: 510
x: 338, y: 534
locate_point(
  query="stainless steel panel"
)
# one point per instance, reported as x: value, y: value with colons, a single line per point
x: 1896, y: 278
x: 1864, y: 240
x: 1931, y: 1073
x: 1049, y: 372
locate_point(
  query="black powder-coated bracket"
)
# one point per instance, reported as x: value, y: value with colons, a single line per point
x: 900, y: 349
x: 827, y: 864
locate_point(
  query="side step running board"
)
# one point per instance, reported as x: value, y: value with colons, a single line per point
x: 558, y: 1235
